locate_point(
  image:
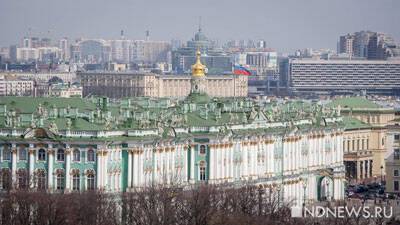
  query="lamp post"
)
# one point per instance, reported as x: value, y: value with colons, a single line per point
x: 278, y: 188
x: 382, y: 175
x: 304, y: 183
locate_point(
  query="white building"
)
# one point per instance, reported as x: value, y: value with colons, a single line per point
x: 12, y: 86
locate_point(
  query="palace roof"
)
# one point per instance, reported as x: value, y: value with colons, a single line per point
x: 136, y: 118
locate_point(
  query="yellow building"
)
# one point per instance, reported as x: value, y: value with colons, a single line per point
x: 392, y: 161
x: 128, y: 84
x: 364, y: 138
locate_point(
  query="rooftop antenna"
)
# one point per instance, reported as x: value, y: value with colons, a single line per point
x: 147, y: 35
x: 122, y: 34
x: 199, y: 23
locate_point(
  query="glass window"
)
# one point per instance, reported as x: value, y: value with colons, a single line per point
x: 22, y: 154
x: 6, y: 153
x: 396, y: 173
x: 90, y: 182
x: 42, y: 155
x: 60, y: 181
x: 22, y: 177
x: 5, y: 179
x: 396, y: 154
x: 60, y: 155
x: 202, y: 149
x: 397, y: 137
x: 41, y: 180
x: 202, y: 170
x: 76, y: 155
x: 90, y: 155
x: 75, y: 182
x: 396, y: 185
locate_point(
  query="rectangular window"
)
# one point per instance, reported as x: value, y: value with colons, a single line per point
x: 397, y: 137
x: 396, y: 154
x: 396, y: 185
x: 395, y: 173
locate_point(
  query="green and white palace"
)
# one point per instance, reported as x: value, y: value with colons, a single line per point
x: 74, y: 144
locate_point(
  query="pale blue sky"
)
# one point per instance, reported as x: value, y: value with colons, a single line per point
x: 285, y: 24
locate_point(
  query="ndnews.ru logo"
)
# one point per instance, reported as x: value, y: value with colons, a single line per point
x: 342, y: 212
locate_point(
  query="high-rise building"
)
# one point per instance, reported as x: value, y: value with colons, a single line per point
x: 150, y: 52
x: 346, y: 44
x: 63, y: 44
x: 360, y: 43
x: 121, y: 50
x: 91, y: 51
x: 370, y: 45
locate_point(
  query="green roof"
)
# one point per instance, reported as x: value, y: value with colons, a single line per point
x: 29, y: 105
x: 354, y: 102
x: 351, y: 123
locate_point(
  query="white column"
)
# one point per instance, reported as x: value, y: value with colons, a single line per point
x: 50, y: 154
x: 140, y: 165
x: 231, y: 164
x: 67, y: 169
x: 14, y: 164
x: 158, y: 174
x: 129, y: 168
x: 192, y: 164
x: 98, y: 172
x: 185, y: 163
x: 245, y: 157
x: 211, y: 166
x: 31, y: 152
x: 104, y: 169
x: 167, y: 169
x: 135, y: 171
x: 174, y: 177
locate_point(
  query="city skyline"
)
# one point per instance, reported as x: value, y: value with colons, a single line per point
x: 276, y: 23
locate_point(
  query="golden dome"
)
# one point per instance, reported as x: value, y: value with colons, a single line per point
x: 198, y: 69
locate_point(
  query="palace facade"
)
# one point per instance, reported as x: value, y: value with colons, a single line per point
x: 292, y: 147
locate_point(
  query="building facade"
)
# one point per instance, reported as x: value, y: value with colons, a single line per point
x: 365, y: 138
x: 294, y: 148
x: 392, y: 161
x: 121, y: 84
x: 343, y: 76
x: 11, y: 86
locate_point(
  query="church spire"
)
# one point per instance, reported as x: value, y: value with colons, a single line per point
x: 198, y: 69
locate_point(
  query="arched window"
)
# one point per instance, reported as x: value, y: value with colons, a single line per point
x: 6, y: 153
x: 90, y: 155
x: 60, y: 180
x: 22, y: 177
x: 202, y: 168
x: 42, y: 155
x: 22, y: 153
x: 60, y: 155
x: 90, y: 181
x: 202, y: 149
x: 76, y: 155
x: 41, y: 180
x: 5, y: 179
x: 76, y: 182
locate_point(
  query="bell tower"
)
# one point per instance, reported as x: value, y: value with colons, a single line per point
x: 198, y: 81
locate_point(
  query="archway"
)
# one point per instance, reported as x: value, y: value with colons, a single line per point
x: 325, y: 188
